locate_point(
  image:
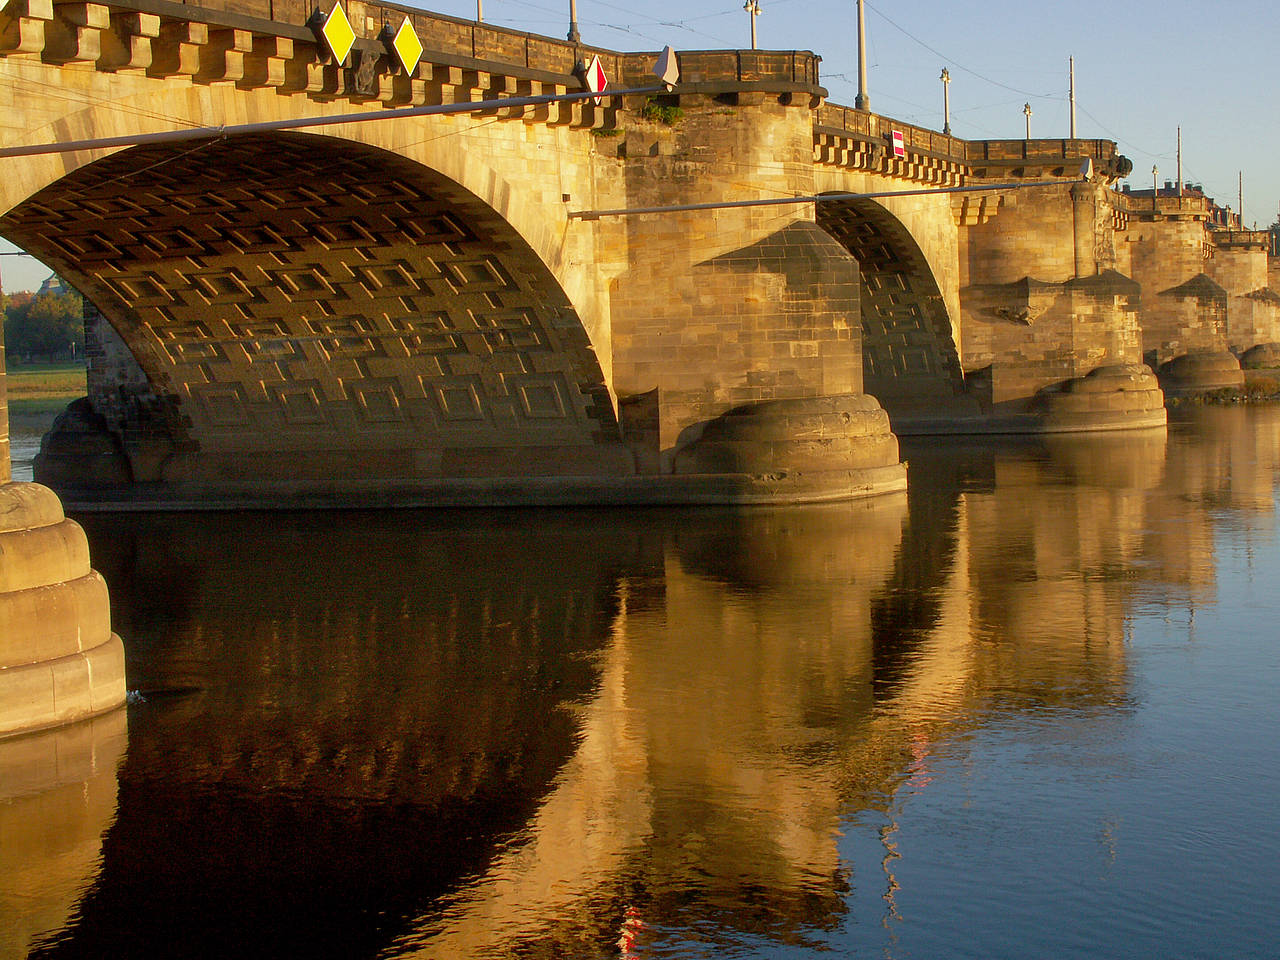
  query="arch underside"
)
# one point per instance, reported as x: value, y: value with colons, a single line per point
x: 294, y: 294
x: 909, y: 355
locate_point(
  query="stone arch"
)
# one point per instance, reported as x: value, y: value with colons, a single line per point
x: 310, y: 294
x: 909, y: 352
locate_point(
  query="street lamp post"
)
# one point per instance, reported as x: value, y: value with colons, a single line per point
x: 479, y: 11
x: 1026, y: 110
x: 946, y: 101
x: 1071, y: 96
x: 753, y: 9
x: 574, y: 35
x: 1155, y: 189
x: 862, y: 101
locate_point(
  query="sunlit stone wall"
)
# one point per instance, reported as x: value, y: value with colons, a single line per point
x: 59, y: 660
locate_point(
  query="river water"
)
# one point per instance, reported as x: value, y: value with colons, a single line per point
x: 1028, y: 709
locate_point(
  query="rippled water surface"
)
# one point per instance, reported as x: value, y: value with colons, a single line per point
x: 1027, y: 710
x: 24, y: 444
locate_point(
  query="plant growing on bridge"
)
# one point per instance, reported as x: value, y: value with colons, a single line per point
x: 656, y: 110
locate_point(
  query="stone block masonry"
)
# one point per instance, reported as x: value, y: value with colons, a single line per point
x: 59, y: 660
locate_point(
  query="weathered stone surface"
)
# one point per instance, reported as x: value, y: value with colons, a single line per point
x: 1264, y: 356
x: 1115, y: 397
x: 72, y: 616
x: 1035, y: 336
x: 59, y: 660
x: 802, y: 435
x: 1200, y: 372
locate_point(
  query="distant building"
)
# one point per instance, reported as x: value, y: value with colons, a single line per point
x: 1219, y: 217
x: 54, y: 285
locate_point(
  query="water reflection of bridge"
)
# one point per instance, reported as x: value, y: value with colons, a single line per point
x: 677, y: 714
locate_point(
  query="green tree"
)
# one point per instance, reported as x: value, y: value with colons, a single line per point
x: 49, y: 325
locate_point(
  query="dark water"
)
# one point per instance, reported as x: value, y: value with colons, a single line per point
x: 24, y: 444
x: 1027, y: 710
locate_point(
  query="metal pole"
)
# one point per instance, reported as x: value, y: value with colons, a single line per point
x: 946, y: 101
x: 1026, y: 109
x: 1240, y: 201
x: 819, y: 198
x: 1155, y: 188
x: 753, y: 10
x: 1071, y: 69
x: 1179, y: 161
x: 862, y: 101
x: 574, y: 35
x: 479, y: 11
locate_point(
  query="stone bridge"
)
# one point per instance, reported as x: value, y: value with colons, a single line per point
x: 431, y: 310
x: 415, y: 311
x: 409, y: 310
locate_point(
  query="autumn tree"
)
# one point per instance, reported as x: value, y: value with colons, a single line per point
x: 48, y: 325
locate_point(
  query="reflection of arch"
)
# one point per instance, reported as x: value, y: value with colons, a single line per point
x: 908, y: 350
x: 322, y: 289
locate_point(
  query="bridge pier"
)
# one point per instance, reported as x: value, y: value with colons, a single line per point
x: 1241, y: 266
x: 1052, y: 335
x: 59, y: 660
x: 742, y: 323
x: 1187, y: 309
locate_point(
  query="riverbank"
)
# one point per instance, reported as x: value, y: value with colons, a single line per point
x: 39, y: 392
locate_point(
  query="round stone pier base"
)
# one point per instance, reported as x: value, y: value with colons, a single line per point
x: 833, y: 447
x: 1265, y: 356
x: 1123, y: 396
x: 59, y: 660
x: 1195, y: 373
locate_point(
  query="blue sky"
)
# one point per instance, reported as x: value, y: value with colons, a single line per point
x: 1142, y: 69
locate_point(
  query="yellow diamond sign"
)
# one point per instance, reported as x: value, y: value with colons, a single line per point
x: 338, y: 33
x: 407, y: 46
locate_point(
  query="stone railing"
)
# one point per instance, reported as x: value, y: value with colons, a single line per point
x: 874, y: 128
x: 1041, y: 158
x: 276, y: 44
x: 470, y: 44
x: 1242, y: 239
x: 849, y: 137
x: 1186, y: 207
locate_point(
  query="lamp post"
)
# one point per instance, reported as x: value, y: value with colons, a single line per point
x: 479, y: 11
x: 862, y: 101
x: 1071, y: 73
x: 753, y: 9
x: 1155, y: 188
x: 1026, y: 111
x: 946, y: 101
x: 574, y: 35
x: 1179, y: 161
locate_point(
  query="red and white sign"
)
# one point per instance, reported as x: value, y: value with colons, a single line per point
x: 899, y: 144
x: 596, y: 79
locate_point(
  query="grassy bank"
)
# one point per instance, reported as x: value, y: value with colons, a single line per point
x: 39, y: 392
